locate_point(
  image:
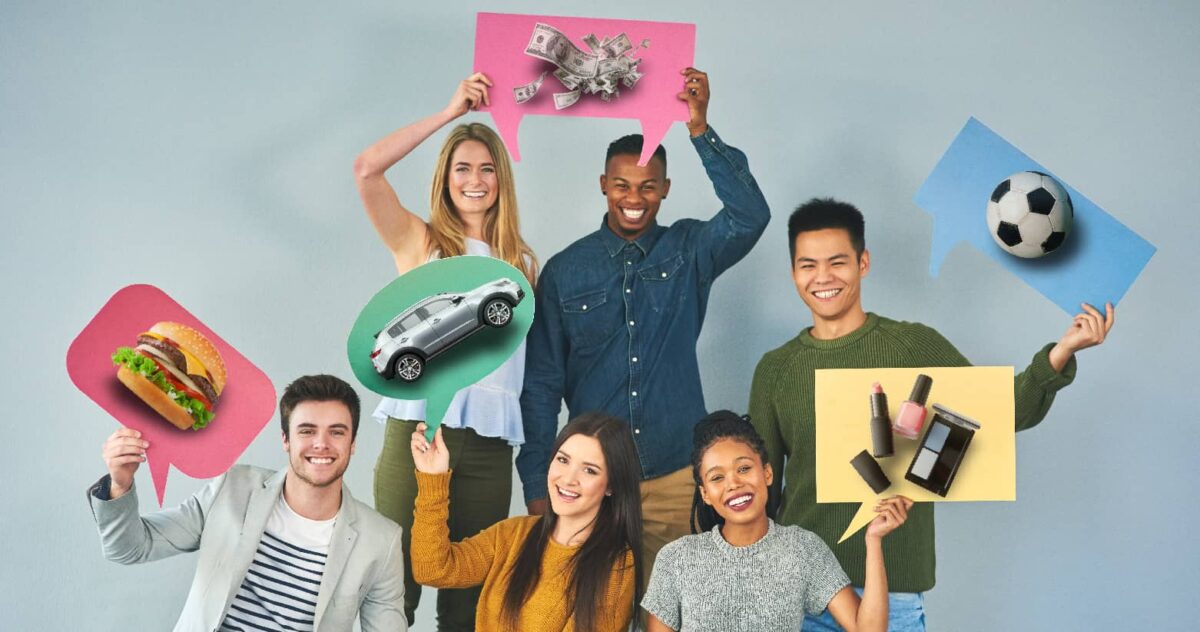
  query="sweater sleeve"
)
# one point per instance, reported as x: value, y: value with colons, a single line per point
x: 1037, y: 385
x: 436, y: 561
x: 766, y: 422
x: 1033, y: 389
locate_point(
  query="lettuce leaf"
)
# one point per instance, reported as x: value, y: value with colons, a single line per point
x: 139, y: 363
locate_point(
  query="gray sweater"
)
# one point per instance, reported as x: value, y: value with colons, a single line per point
x: 701, y: 582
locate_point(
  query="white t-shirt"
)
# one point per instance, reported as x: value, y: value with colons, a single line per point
x: 280, y: 589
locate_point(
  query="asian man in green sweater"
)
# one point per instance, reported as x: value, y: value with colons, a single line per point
x: 829, y: 260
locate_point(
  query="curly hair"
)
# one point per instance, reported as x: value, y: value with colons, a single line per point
x: 722, y: 424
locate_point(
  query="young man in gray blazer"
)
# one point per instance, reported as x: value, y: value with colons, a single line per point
x: 278, y: 550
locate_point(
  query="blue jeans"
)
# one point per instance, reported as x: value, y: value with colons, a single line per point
x: 906, y: 613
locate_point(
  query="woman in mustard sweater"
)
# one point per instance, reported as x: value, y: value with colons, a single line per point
x: 578, y: 568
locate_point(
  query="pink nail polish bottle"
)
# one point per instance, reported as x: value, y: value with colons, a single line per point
x: 911, y: 418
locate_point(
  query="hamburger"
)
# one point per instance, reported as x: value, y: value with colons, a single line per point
x: 176, y: 370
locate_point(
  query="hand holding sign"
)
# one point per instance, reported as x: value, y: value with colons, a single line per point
x: 646, y: 90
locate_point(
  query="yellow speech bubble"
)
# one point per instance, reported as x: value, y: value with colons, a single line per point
x: 843, y: 412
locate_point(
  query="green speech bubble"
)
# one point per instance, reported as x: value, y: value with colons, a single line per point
x: 466, y: 362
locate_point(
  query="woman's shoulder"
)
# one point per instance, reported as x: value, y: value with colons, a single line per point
x: 686, y: 546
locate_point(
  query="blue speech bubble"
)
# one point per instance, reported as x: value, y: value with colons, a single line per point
x: 1099, y: 260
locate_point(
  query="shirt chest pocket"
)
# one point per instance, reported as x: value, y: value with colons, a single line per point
x: 590, y: 318
x: 662, y: 284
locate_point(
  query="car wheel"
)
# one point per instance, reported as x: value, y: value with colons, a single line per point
x: 409, y: 367
x: 497, y: 312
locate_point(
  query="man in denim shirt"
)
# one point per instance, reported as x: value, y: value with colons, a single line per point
x: 619, y: 312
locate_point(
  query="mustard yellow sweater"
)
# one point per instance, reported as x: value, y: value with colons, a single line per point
x: 488, y: 559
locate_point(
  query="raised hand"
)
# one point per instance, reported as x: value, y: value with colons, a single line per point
x: 470, y: 93
x: 1087, y: 329
x: 430, y: 458
x: 892, y: 513
x: 123, y: 452
x: 696, y: 93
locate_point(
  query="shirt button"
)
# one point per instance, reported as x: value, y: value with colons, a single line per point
x: 585, y: 308
x: 634, y: 393
x: 664, y: 275
x: 631, y: 323
x: 628, y: 290
x: 635, y: 358
x: 628, y: 263
x: 637, y: 431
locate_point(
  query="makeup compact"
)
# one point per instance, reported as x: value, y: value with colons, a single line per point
x: 941, y: 451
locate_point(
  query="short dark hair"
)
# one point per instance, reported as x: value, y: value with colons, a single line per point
x: 724, y: 424
x: 822, y: 213
x: 318, y: 388
x: 632, y: 145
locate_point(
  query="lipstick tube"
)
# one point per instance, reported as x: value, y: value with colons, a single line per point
x: 911, y: 418
x: 881, y: 424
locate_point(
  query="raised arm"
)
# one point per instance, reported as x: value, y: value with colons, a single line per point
x: 729, y: 235
x: 127, y: 537
x: 436, y: 561
x: 404, y: 233
x: 871, y: 613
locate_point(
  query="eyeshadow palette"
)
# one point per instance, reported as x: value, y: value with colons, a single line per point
x: 941, y: 450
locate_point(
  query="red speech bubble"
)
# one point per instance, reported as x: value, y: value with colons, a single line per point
x: 246, y: 405
x: 500, y: 43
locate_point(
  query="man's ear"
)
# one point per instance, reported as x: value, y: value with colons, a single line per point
x: 603, y: 184
x: 285, y: 441
x: 666, y: 187
x: 864, y: 263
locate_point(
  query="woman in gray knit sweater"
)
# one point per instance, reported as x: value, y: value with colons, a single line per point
x: 741, y: 571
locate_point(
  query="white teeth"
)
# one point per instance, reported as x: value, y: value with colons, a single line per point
x: 827, y: 293
x: 633, y: 213
x: 320, y: 460
x: 739, y: 501
x: 567, y: 493
x: 474, y: 195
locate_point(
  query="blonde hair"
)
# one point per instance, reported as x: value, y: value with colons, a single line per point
x: 501, y: 227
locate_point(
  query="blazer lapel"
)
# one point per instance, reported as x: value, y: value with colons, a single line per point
x: 340, y: 547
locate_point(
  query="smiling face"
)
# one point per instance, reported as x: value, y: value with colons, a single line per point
x: 734, y: 482
x: 472, y: 182
x: 321, y: 442
x: 634, y: 193
x: 828, y: 275
x: 578, y: 478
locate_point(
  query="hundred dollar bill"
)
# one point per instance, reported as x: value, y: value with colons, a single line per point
x: 617, y: 46
x: 526, y: 92
x: 592, y: 42
x: 551, y: 45
x: 563, y: 100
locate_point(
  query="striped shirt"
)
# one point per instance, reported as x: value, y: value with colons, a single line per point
x: 279, y: 592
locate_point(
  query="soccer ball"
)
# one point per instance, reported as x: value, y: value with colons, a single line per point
x: 1029, y: 214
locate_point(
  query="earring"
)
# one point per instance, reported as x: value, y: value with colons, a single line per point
x: 608, y: 493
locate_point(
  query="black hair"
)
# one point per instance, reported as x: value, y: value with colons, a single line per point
x: 723, y: 424
x: 632, y: 144
x: 822, y: 213
x: 318, y: 388
x: 617, y: 529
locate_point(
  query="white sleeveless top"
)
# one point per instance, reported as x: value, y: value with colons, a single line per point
x: 490, y: 407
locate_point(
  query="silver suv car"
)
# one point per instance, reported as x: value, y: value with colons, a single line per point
x: 433, y: 325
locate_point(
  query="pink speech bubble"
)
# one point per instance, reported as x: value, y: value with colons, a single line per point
x: 500, y: 41
x: 245, y: 406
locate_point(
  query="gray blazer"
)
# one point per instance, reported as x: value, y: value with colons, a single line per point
x: 364, y: 572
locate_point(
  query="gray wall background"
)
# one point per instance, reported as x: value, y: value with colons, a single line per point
x: 206, y: 148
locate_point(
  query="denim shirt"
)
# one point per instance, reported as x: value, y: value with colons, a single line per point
x: 617, y: 321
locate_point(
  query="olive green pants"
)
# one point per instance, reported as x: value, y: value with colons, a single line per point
x: 480, y: 493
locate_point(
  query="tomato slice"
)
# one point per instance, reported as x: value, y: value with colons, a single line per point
x: 177, y: 384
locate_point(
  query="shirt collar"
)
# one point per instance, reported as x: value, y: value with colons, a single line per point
x: 614, y: 243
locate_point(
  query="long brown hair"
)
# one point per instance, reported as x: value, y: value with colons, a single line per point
x: 501, y: 227
x: 618, y: 529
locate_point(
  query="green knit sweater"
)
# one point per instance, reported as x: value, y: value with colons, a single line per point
x: 782, y: 409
